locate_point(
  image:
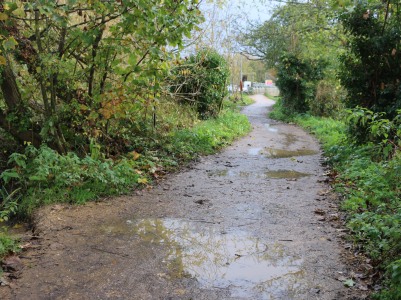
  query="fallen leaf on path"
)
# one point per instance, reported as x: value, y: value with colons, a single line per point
x: 12, y: 263
x: 323, y: 192
x: 319, y: 211
x: 334, y: 217
x: 142, y: 180
x: 349, y: 283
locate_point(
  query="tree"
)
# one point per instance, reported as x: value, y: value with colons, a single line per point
x: 76, y: 70
x: 370, y: 67
x: 201, y: 81
x: 301, y: 41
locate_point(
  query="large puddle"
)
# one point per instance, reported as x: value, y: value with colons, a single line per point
x: 285, y: 174
x: 233, y: 259
x: 274, y: 174
x: 282, y: 153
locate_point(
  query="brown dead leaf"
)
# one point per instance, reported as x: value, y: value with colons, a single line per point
x: 319, y: 211
x: 323, y: 192
x: 12, y: 263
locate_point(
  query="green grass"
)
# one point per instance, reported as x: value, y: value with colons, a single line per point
x: 8, y: 245
x: 371, y: 192
x: 275, y: 98
x: 234, y: 102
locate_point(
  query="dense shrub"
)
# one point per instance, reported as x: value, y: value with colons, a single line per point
x: 297, y: 80
x: 365, y: 125
x: 201, y: 81
x: 370, y: 69
x: 327, y: 101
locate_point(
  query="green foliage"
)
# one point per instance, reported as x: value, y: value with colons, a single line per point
x: 202, y: 81
x: 367, y: 126
x: 291, y: 29
x: 280, y: 113
x: 7, y: 245
x: 43, y: 176
x: 370, y: 68
x: 371, y: 74
x: 297, y: 80
x: 328, y: 99
x: 98, y: 66
x: 208, y: 136
x: 236, y: 101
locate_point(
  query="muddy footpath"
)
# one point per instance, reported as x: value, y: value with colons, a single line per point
x: 251, y: 222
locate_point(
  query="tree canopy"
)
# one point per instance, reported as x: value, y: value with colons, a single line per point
x: 76, y: 70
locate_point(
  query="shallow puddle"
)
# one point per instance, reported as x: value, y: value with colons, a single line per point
x: 290, y: 139
x: 270, y: 128
x: 285, y: 174
x: 281, y: 153
x: 218, y: 173
x: 234, y: 260
x: 254, y: 151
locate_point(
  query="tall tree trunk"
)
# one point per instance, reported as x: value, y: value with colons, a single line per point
x: 15, y: 105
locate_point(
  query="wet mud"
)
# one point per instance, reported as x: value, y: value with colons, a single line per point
x: 240, y: 224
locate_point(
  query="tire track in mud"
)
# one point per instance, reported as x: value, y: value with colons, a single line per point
x: 240, y: 224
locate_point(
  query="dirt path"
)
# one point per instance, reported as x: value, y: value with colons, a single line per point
x: 242, y: 224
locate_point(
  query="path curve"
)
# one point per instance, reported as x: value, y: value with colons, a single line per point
x: 241, y: 224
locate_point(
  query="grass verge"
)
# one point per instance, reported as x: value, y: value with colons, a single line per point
x: 371, y: 191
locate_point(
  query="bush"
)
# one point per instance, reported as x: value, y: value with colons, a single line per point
x: 297, y: 80
x: 201, y: 81
x: 366, y: 126
x: 43, y: 176
x: 328, y: 99
x: 7, y: 245
x: 370, y: 69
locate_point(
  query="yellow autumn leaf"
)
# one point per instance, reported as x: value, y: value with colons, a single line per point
x: 142, y: 180
x: 19, y: 12
x: 135, y: 155
x: 3, y: 60
x: 3, y: 16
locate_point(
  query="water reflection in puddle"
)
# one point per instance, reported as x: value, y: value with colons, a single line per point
x: 254, y: 151
x: 219, y: 173
x: 285, y: 174
x: 281, y: 153
x: 290, y: 139
x: 247, y: 265
x: 274, y: 174
x: 271, y: 129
